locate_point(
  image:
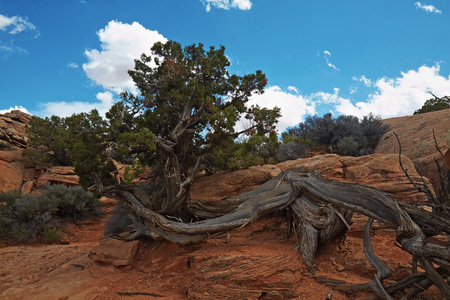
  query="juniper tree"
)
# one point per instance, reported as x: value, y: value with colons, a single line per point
x: 186, y: 112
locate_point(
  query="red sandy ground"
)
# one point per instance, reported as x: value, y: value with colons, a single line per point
x: 246, y: 263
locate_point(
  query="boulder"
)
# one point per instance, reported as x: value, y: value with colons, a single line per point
x: 27, y: 187
x: 223, y: 185
x: 114, y: 252
x: 59, y: 175
x: 12, y: 128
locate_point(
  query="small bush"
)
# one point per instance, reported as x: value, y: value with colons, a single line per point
x: 327, y: 131
x: 52, y: 235
x: 291, y: 151
x: 4, y: 145
x: 348, y: 146
x: 120, y: 220
x: 73, y: 203
x: 30, y: 217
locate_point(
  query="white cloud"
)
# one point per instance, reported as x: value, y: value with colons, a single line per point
x: 427, y: 8
x: 227, y: 4
x: 293, y: 107
x: 293, y: 89
x: 65, y: 109
x: 367, y: 82
x: 73, y: 65
x: 394, y: 97
x: 327, y: 55
x: 10, y: 47
x: 121, y: 44
x: 21, y: 108
x: 16, y: 25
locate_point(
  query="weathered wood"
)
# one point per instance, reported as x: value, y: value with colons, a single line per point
x: 320, y: 211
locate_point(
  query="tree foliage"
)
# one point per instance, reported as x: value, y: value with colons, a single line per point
x: 347, y: 134
x: 182, y: 120
x: 434, y: 104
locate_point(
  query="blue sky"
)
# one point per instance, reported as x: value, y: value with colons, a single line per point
x: 346, y: 57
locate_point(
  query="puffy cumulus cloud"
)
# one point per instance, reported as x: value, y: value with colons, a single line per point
x: 227, y: 4
x: 393, y: 97
x: 121, y: 44
x: 21, y: 108
x: 16, y: 24
x: 293, y: 107
x: 427, y: 8
x: 64, y: 109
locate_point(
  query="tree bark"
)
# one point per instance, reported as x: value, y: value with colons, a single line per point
x: 320, y: 211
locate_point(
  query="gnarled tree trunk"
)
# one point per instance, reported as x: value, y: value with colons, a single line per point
x: 320, y: 211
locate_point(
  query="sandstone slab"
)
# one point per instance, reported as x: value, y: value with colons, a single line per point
x: 114, y: 252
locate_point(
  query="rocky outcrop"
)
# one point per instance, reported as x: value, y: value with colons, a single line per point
x: 231, y: 183
x: 58, y: 175
x: 12, y: 128
x: 381, y: 171
x: 18, y: 173
x: 416, y: 137
x: 377, y: 170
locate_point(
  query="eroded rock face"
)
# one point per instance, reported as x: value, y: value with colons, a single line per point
x: 377, y: 170
x: 16, y: 173
x: 220, y: 186
x: 58, y: 175
x: 12, y: 128
x: 381, y: 171
x: 416, y: 138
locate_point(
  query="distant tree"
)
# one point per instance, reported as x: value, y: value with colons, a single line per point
x: 359, y: 137
x: 50, y: 136
x: 434, y: 104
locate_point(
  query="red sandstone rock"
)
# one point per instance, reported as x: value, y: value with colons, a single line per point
x: 27, y: 187
x: 12, y: 128
x: 416, y: 137
x: 219, y: 186
x: 377, y: 170
x: 12, y: 169
x: 114, y: 252
x: 59, y: 175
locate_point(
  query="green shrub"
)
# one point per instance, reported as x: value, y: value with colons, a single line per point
x: 4, y: 145
x: 73, y: 203
x: 327, y: 131
x: 291, y: 151
x: 41, y: 217
x: 348, y: 146
x: 52, y: 235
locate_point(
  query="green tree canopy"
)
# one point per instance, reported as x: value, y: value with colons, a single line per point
x: 434, y: 104
x: 184, y: 116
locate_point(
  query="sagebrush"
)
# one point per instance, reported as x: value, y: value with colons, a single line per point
x: 42, y: 217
